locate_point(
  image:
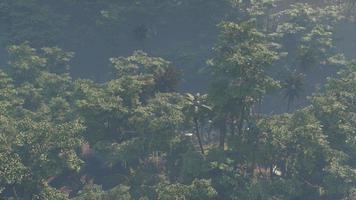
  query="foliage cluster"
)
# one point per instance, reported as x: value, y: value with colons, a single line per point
x: 135, y: 137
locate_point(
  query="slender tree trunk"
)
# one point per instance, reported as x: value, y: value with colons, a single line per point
x: 253, y: 156
x: 197, y: 132
x: 222, y: 136
x: 271, y: 171
x: 232, y: 125
x: 209, y: 134
x: 289, y: 104
x: 253, y: 164
x: 284, y: 169
x: 15, y: 193
x: 259, y: 110
x: 241, y: 120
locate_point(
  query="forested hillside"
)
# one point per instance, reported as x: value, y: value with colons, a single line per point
x: 177, y: 100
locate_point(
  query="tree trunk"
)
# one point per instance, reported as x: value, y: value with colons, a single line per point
x: 15, y: 193
x: 271, y: 171
x: 289, y: 104
x: 222, y: 128
x: 232, y: 125
x: 241, y: 120
x: 253, y: 157
x: 197, y: 132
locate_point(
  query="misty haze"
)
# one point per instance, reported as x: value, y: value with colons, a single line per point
x: 178, y: 99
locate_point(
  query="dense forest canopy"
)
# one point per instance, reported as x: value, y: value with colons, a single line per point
x: 177, y: 100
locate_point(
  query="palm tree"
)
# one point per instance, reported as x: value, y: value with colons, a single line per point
x: 196, y: 108
x: 293, y: 87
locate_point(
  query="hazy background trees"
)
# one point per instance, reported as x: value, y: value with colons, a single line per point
x: 93, y: 101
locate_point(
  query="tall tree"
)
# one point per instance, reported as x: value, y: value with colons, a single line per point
x: 197, y: 110
x: 238, y: 70
x: 293, y: 86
